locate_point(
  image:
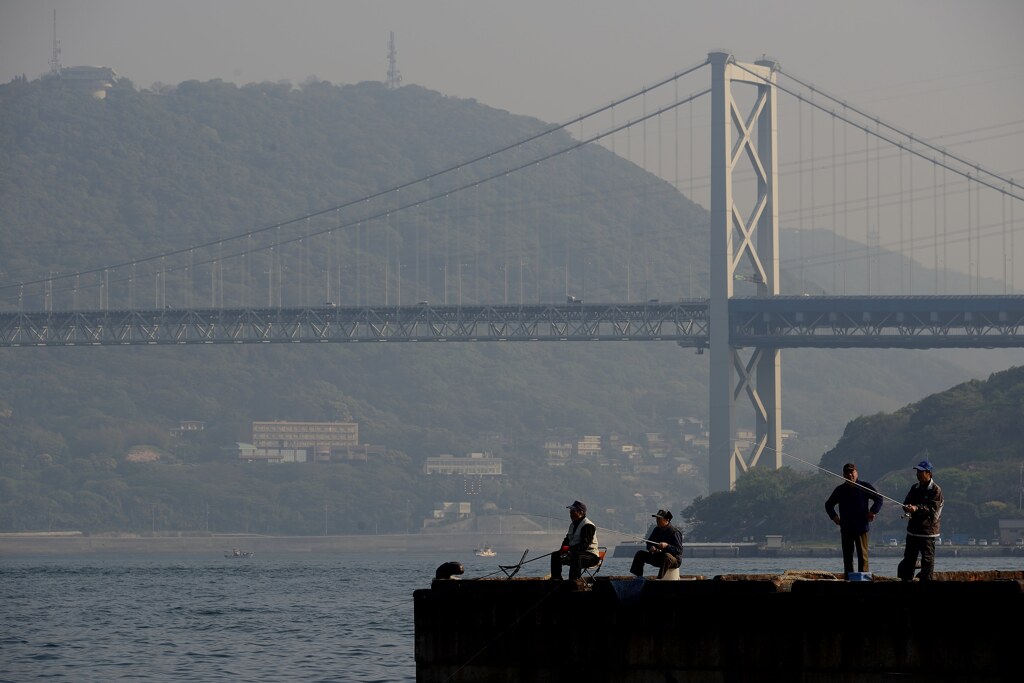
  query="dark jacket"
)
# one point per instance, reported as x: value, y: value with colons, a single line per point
x: 671, y: 535
x: 928, y: 499
x: 853, y: 500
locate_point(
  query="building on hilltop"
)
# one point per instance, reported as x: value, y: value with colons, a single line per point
x: 283, y: 441
x: 558, y: 452
x: 187, y: 427
x: 95, y: 80
x: 472, y: 464
x: 657, y: 446
x: 447, y: 512
x: 589, y: 446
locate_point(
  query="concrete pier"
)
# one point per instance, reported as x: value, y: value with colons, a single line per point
x: 800, y: 627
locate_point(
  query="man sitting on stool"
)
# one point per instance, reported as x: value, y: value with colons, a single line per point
x: 664, y: 547
x: 579, y: 547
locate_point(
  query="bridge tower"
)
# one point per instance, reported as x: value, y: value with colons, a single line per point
x: 744, y: 236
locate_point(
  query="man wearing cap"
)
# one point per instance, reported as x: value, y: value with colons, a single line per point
x: 579, y: 547
x: 923, y: 507
x: 858, y: 503
x: 664, y: 547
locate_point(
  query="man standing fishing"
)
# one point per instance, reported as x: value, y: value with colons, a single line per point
x: 858, y: 503
x: 579, y: 547
x: 923, y: 506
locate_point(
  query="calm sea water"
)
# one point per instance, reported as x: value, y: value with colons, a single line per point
x: 337, y: 617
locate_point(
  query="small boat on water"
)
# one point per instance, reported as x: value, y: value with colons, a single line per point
x: 235, y: 552
x: 485, y: 552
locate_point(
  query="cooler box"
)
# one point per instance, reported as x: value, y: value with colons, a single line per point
x: 858, y: 576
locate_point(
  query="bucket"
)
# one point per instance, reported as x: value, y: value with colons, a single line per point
x: 671, y: 574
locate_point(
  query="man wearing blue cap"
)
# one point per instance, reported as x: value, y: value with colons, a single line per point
x: 923, y: 508
x: 579, y: 547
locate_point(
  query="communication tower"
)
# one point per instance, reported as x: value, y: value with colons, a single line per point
x: 55, y: 59
x: 394, y: 76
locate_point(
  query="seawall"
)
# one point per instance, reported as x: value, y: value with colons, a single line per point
x: 804, y: 627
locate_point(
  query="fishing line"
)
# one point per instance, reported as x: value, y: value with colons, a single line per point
x: 600, y: 528
x: 789, y: 455
x: 768, y: 448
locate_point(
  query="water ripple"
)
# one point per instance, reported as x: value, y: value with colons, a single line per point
x: 329, y: 619
x: 332, y: 618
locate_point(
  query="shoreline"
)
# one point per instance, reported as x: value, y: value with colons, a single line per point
x: 77, y: 543
x: 74, y: 543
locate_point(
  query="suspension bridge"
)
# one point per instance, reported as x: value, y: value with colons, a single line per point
x: 932, y: 234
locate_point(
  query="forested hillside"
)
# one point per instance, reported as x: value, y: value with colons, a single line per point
x: 87, y: 183
x: 971, y: 433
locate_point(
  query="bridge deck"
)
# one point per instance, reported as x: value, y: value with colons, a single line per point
x: 781, y: 322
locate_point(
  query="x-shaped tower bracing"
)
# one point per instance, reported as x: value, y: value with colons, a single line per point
x: 738, y: 238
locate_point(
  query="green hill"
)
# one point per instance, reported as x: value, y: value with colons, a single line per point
x: 970, y: 432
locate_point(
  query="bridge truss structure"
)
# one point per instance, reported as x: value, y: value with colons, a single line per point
x: 908, y: 322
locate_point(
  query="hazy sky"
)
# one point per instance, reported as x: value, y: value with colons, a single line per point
x: 951, y: 72
x: 934, y: 67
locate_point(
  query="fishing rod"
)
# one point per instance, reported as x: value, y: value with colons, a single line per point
x: 826, y: 471
x: 513, y: 568
x: 510, y: 570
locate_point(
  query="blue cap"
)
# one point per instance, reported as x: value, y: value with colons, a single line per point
x: 924, y: 466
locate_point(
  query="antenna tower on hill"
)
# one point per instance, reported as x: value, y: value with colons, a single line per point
x: 394, y: 76
x: 55, y: 59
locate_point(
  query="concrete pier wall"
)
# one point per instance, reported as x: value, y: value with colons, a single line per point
x: 964, y: 627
